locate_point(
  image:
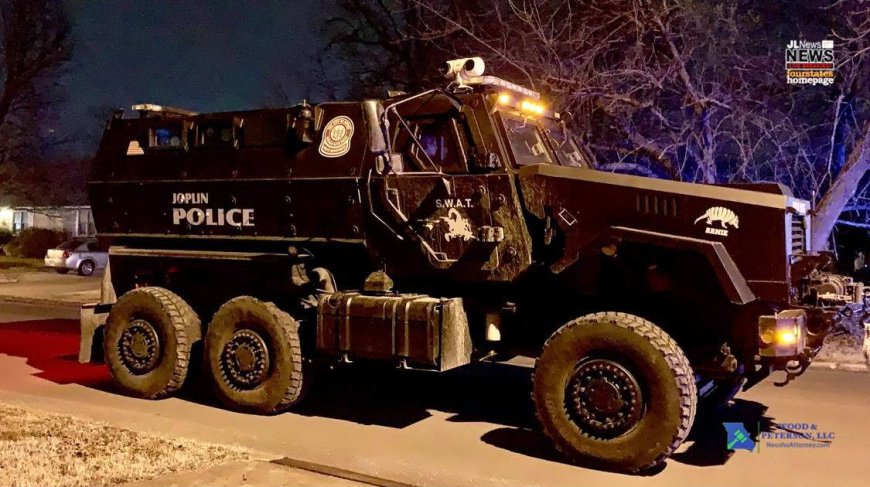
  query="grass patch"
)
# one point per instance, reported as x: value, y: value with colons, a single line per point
x: 40, y: 449
x: 8, y: 262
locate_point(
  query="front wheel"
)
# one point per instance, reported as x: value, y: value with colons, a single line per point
x: 614, y: 391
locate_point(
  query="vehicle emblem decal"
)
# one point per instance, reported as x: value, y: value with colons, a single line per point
x: 457, y: 226
x: 336, y: 137
x: 721, y: 215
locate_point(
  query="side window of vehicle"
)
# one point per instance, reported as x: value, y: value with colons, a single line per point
x: 526, y: 141
x: 216, y: 134
x: 265, y: 131
x: 440, y: 145
x: 165, y: 136
x: 94, y: 247
x: 567, y: 150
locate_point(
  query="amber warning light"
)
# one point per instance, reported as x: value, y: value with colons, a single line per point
x: 525, y: 106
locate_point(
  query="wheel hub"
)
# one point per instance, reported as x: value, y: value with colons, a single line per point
x: 139, y: 347
x: 604, y: 399
x: 245, y: 360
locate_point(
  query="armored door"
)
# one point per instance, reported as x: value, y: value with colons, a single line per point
x: 462, y: 221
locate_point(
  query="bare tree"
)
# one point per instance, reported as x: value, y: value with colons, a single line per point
x: 389, y: 43
x: 35, y: 47
x: 849, y: 126
x: 678, y: 89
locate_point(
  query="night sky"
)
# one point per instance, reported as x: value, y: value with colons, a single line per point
x: 205, y: 55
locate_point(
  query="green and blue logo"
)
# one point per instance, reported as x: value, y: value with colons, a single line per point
x: 737, y: 437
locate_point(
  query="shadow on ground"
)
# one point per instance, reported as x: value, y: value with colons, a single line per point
x: 708, y: 436
x: 494, y: 393
x: 705, y: 446
x: 487, y: 392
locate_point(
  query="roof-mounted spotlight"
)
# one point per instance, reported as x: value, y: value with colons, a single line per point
x: 460, y: 70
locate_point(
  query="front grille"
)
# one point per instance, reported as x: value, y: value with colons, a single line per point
x: 655, y: 205
x: 798, y: 234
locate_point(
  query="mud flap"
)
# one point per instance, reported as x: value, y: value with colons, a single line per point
x: 91, y: 319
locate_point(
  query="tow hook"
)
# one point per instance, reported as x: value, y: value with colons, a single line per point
x: 794, y: 368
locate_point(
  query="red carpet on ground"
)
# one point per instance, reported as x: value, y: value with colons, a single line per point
x: 52, y: 346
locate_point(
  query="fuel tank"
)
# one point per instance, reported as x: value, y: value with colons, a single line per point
x: 413, y: 330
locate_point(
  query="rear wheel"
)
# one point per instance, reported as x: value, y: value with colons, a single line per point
x: 254, y: 356
x: 147, y: 342
x: 86, y: 268
x: 614, y: 391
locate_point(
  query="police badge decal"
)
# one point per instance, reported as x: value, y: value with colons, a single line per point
x: 336, y: 137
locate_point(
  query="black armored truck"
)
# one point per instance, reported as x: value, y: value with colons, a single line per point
x: 429, y: 230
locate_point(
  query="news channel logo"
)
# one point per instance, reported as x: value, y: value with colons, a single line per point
x: 809, y: 63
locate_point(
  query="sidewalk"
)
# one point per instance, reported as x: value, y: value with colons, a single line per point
x: 48, y: 287
x: 250, y: 473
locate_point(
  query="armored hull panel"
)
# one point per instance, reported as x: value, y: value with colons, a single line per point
x: 294, y: 209
x: 260, y: 175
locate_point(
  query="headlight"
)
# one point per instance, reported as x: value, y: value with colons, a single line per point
x: 783, y: 334
x: 786, y: 337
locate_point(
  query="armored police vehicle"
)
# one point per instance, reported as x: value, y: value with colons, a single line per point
x: 432, y: 229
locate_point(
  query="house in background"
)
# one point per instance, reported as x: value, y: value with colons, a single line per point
x: 75, y: 221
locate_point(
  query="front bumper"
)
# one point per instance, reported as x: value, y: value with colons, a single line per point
x: 789, y: 340
x: 784, y: 344
x: 782, y: 335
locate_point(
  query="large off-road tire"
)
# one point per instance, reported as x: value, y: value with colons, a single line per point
x: 614, y: 391
x: 147, y: 341
x: 254, y: 357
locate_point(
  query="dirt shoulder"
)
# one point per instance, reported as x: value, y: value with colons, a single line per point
x: 39, y: 449
x: 21, y: 264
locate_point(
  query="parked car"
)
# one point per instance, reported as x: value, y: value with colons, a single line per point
x: 81, y: 255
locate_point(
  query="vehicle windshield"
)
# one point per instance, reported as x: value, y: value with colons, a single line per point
x: 526, y: 140
x: 566, y: 148
x: 70, y: 244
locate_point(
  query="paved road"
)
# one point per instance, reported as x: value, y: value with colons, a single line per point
x: 68, y: 289
x: 471, y: 427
